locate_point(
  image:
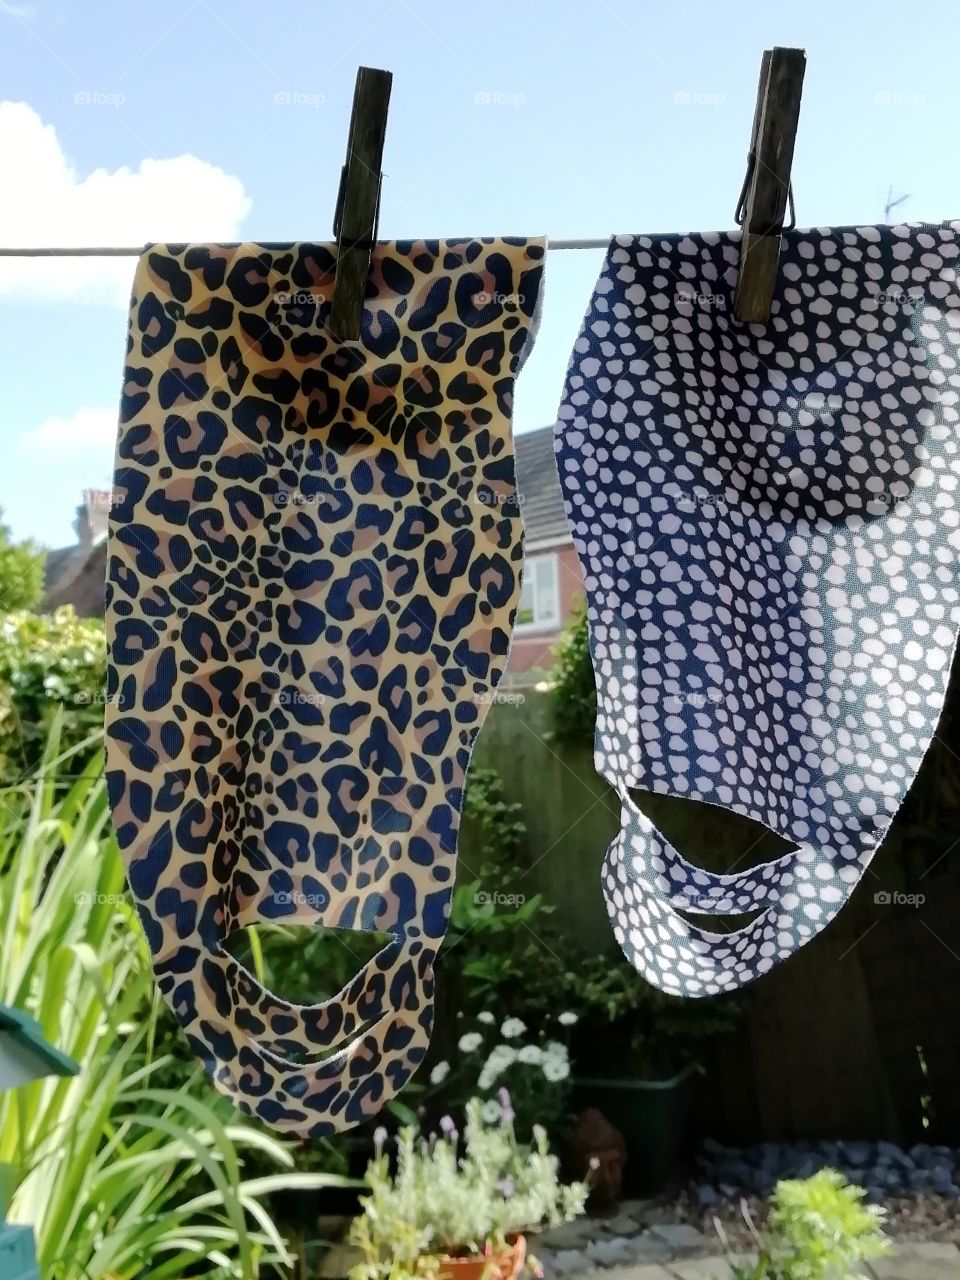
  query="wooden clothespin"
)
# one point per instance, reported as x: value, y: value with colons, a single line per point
x: 766, y: 188
x: 358, y: 200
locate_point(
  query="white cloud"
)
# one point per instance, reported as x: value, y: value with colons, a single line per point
x: 91, y: 432
x: 46, y: 202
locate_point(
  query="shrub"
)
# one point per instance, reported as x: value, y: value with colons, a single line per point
x: 818, y: 1229
x: 574, y: 693
x: 48, y: 665
x: 21, y: 572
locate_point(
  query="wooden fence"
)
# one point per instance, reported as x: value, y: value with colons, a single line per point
x: 856, y: 1036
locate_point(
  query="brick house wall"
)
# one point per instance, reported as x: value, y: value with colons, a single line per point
x: 532, y: 643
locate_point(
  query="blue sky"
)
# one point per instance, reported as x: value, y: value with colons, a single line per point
x: 225, y: 119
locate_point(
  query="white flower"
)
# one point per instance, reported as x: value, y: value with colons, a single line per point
x: 512, y: 1028
x: 531, y: 1055
x: 567, y: 1019
x: 486, y: 1017
x: 440, y: 1073
x: 555, y: 1069
x: 490, y: 1111
x: 472, y: 1040
x: 554, y: 1049
x: 501, y: 1057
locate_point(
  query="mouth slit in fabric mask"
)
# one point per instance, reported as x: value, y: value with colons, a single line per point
x: 299, y: 976
x: 309, y: 602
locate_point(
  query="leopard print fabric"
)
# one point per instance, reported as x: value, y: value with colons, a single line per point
x: 314, y: 565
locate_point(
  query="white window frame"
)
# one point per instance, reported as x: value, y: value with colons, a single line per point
x: 539, y: 622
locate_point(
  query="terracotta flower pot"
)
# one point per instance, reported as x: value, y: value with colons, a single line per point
x: 507, y: 1264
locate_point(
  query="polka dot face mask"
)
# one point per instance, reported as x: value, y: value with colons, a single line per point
x: 314, y: 563
x: 767, y: 521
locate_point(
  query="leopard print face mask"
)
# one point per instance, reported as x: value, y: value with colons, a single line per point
x: 314, y: 564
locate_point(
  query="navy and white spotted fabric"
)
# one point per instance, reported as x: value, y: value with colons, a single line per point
x: 767, y: 520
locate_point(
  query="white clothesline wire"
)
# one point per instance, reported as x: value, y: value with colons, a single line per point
x: 116, y: 251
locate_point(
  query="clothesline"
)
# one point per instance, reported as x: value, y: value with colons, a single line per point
x: 117, y: 251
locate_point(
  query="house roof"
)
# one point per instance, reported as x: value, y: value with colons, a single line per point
x: 62, y: 565
x: 539, y: 487
x: 79, y: 578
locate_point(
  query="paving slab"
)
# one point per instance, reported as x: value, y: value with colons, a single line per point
x: 715, y: 1268
x: 681, y: 1238
x: 565, y: 1262
x: 909, y: 1261
x: 580, y: 1231
x: 645, y: 1271
x: 612, y: 1251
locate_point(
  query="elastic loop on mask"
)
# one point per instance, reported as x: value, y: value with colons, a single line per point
x: 316, y: 1099
x: 288, y: 1027
x: 681, y: 957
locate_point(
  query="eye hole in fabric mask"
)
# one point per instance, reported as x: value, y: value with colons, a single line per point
x: 718, y: 840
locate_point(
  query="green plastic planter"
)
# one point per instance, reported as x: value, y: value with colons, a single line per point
x: 651, y: 1115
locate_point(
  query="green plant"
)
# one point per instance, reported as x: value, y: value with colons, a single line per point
x: 447, y: 1203
x: 49, y: 666
x: 818, y: 1229
x: 510, y: 1069
x: 21, y: 572
x: 119, y: 1177
x: 497, y: 823
x: 627, y: 1027
x: 494, y: 928
x: 574, y: 693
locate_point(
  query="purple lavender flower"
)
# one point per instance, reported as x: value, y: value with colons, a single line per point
x: 508, y: 1187
x: 379, y: 1136
x: 448, y: 1127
